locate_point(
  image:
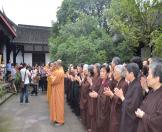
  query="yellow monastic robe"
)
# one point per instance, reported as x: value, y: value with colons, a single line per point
x: 57, y: 96
x: 49, y: 88
x: 48, y: 82
x: 47, y: 69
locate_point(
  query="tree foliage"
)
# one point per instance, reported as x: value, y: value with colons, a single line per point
x: 156, y: 42
x: 135, y: 21
x: 82, y: 42
x: 90, y: 31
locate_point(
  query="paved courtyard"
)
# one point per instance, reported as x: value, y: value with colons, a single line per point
x: 34, y: 117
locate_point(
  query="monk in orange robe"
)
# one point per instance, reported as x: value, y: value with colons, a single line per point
x: 49, y: 89
x: 57, y: 95
x: 51, y: 71
x: 47, y: 68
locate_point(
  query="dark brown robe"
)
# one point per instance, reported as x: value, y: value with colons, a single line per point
x: 68, y: 89
x: 103, y: 109
x: 116, y: 104
x: 84, y: 93
x: 152, y: 106
x: 92, y: 103
x: 112, y: 83
x: 133, y: 99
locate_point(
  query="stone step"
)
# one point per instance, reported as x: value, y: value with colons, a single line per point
x: 5, y: 97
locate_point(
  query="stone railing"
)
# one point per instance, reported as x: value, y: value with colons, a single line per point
x: 4, y: 95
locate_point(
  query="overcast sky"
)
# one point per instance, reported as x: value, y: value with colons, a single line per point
x: 31, y: 12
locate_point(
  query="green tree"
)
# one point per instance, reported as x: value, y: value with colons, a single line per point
x: 71, y: 10
x: 90, y: 31
x: 79, y: 41
x: 133, y: 21
x: 156, y: 42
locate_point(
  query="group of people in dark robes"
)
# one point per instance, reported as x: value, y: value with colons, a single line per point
x: 117, y: 97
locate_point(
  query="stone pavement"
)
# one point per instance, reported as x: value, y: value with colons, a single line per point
x: 34, y: 117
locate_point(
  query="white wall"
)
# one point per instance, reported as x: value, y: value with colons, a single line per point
x: 47, y: 58
x: 19, y: 58
x: 11, y: 56
x: 28, y: 58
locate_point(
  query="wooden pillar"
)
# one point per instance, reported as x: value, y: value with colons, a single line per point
x: 14, y: 54
x: 8, y: 51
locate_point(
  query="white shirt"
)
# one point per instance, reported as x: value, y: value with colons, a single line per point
x: 33, y: 74
x: 13, y: 72
x: 22, y: 71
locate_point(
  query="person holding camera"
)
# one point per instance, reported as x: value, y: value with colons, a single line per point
x: 25, y: 74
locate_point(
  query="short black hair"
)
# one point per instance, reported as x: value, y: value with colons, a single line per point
x: 106, y: 67
x: 134, y: 68
x: 81, y: 65
x: 116, y: 60
x: 98, y: 66
x: 90, y: 70
x: 145, y: 70
x: 138, y: 61
x: 75, y: 66
x: 24, y: 64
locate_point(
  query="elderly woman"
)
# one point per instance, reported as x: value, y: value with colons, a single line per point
x: 116, y: 102
x: 84, y: 91
x: 95, y: 83
x: 131, y: 100
x: 150, y: 112
x: 103, y: 102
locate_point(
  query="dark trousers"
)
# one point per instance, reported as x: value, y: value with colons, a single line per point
x: 7, y: 75
x: 43, y: 83
x: 34, y: 91
x: 24, y: 93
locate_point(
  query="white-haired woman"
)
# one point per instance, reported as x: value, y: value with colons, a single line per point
x: 115, y: 113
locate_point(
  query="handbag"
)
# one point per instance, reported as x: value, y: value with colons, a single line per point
x: 22, y: 82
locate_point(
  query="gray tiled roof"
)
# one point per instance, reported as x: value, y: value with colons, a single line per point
x: 29, y: 34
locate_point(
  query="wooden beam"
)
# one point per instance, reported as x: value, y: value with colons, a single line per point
x: 14, y: 55
x: 18, y: 51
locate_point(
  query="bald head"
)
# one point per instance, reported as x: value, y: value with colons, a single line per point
x: 59, y: 62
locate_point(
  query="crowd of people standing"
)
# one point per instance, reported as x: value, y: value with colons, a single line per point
x: 33, y: 77
x: 117, y: 97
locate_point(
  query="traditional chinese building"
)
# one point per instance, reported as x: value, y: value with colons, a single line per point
x: 31, y: 44
x: 7, y: 34
x: 23, y: 43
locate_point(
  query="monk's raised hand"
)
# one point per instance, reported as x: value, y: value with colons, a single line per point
x: 106, y: 88
x: 119, y: 93
x: 76, y: 78
x: 144, y: 83
x: 89, y: 80
x: 72, y: 78
x: 108, y: 92
x: 53, y: 78
x: 139, y: 113
x: 94, y: 94
x: 90, y: 94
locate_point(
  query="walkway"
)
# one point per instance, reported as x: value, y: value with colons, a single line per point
x: 34, y: 117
